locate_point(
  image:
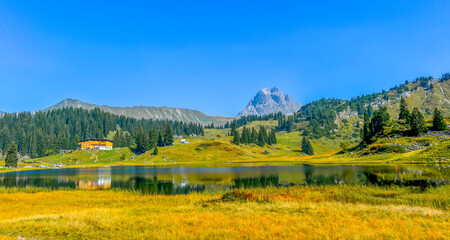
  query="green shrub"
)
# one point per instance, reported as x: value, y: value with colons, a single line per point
x: 388, y: 149
x: 424, y: 142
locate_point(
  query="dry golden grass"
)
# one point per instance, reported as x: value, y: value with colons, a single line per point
x: 337, y: 212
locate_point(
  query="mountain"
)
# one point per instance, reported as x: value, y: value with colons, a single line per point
x: 166, y: 113
x: 270, y: 100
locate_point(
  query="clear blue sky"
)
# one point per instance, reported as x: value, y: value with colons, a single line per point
x: 213, y: 56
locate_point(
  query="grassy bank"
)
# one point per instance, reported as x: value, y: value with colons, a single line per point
x: 269, y: 213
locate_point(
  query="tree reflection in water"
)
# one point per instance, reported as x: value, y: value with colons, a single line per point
x: 217, y: 179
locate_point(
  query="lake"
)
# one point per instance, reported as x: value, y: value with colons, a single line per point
x: 186, y: 179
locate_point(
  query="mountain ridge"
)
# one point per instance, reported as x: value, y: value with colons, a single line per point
x: 161, y: 113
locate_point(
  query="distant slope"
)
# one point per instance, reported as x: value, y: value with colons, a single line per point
x: 268, y: 101
x: 424, y: 93
x: 178, y: 114
x: 330, y: 117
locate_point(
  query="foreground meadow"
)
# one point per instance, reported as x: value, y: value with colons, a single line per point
x: 355, y: 212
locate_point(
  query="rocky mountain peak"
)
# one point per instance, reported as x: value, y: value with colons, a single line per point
x: 270, y: 100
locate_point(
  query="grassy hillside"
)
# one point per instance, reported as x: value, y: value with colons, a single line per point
x: 138, y: 112
x: 333, y: 118
x: 423, y: 97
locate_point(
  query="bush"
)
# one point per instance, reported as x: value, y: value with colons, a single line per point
x: 424, y: 142
x: 388, y: 149
x: 198, y: 149
x: 237, y: 195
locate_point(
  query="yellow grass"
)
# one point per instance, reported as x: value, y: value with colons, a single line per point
x: 337, y: 212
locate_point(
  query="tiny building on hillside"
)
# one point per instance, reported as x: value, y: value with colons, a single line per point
x: 95, y: 144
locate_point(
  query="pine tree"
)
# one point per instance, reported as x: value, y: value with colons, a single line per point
x: 145, y: 141
x: 417, y: 123
x: 41, y: 143
x: 404, y: 114
x: 272, y: 138
x: 307, y: 147
x: 155, y: 151
x: 233, y: 128
x: 370, y: 110
x: 11, y: 159
x: 33, y: 146
x: 290, y: 124
x: 365, y: 131
x: 243, y: 139
x: 129, y: 139
x: 438, y: 121
x: 274, y: 135
x: 264, y: 132
x: 152, y: 138
x: 140, y: 141
x: 379, y: 121
x: 168, y: 136
x: 236, y: 138
x: 116, y: 140
x: 254, y: 136
x: 261, y: 141
x: 160, y: 139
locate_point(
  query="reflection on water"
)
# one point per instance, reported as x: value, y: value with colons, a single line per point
x: 182, y: 180
x: 256, y: 182
x: 101, y: 183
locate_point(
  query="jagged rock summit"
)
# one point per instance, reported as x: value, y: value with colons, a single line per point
x: 270, y: 100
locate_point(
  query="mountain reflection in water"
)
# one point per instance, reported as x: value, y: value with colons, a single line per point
x: 181, y: 180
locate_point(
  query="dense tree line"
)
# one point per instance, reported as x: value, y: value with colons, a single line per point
x: 359, y: 103
x: 374, y: 127
x: 46, y: 132
x: 251, y: 118
x: 320, y: 116
x: 286, y: 123
x: 151, y: 139
x: 445, y: 77
x: 122, y: 139
x: 261, y: 137
x: 414, y: 120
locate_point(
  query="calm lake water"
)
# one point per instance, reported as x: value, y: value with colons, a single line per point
x: 182, y: 180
